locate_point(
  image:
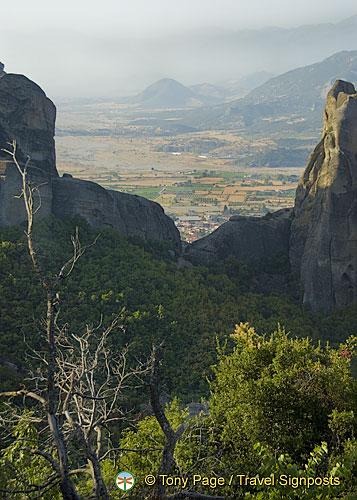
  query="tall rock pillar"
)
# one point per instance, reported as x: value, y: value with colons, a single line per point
x: 27, y: 116
x: 323, y: 244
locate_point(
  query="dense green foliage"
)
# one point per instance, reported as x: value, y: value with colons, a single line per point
x: 294, y: 396
x: 296, y: 400
x: 277, y: 391
x: 189, y: 308
x: 312, y: 480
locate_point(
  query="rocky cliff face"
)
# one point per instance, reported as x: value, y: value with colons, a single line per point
x: 246, y: 238
x: 323, y: 245
x: 28, y: 116
x: 323, y: 226
x: 130, y: 215
x: 12, y: 209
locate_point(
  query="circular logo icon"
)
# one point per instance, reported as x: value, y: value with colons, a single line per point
x: 125, y: 481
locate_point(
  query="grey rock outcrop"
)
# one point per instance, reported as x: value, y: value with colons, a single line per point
x: 246, y: 238
x: 129, y: 214
x: 323, y: 245
x: 28, y: 116
x: 323, y: 225
x: 12, y: 209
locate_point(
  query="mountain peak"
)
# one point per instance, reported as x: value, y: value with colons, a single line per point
x: 165, y: 93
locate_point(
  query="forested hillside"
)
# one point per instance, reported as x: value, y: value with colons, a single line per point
x: 156, y: 297
x: 267, y: 395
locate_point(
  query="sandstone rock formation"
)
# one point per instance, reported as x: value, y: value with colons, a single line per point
x: 323, y: 226
x: 323, y: 245
x: 246, y: 238
x: 12, y: 209
x: 28, y: 116
x: 129, y: 214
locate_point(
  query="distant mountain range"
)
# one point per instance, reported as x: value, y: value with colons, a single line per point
x: 287, y: 108
x: 215, y: 55
x: 240, y: 87
x: 293, y: 100
x: 300, y: 91
x: 231, y: 54
x: 169, y: 93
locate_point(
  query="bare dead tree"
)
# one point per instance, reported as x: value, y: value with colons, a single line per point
x: 171, y: 438
x: 79, y: 383
x: 90, y: 379
x: 48, y: 401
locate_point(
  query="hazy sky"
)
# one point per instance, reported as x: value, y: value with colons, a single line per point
x: 107, y: 47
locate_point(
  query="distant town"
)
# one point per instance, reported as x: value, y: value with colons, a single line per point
x: 200, y: 179
x: 199, y: 201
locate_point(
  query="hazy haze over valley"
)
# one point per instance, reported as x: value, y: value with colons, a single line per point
x: 82, y: 50
x: 150, y: 95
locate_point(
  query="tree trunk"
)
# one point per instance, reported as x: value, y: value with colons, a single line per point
x: 67, y: 488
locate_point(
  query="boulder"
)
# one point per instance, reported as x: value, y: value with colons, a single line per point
x: 323, y: 244
x: 246, y: 238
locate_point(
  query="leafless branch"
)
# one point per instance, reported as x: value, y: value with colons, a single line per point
x: 78, y: 251
x: 46, y: 456
x: 49, y: 400
x: 171, y: 437
x: 24, y: 392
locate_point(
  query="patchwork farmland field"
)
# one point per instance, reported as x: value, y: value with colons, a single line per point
x: 200, y: 189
